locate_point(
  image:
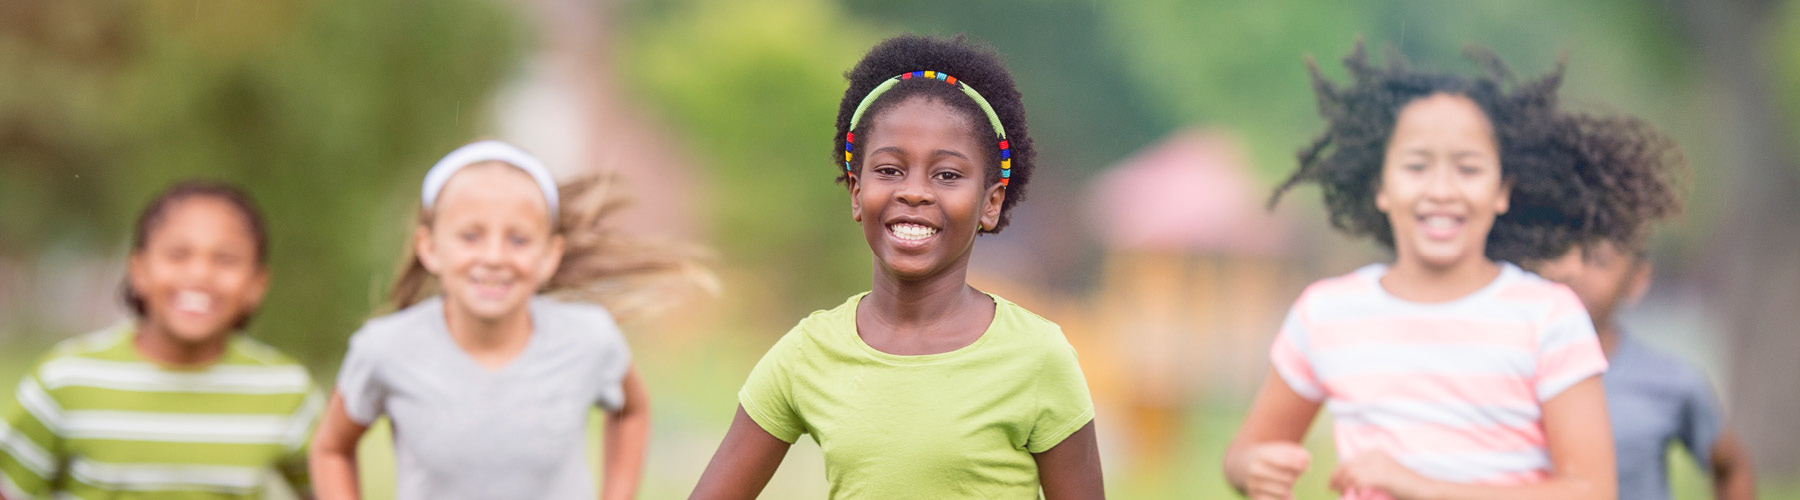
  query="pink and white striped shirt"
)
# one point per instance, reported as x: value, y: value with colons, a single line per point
x: 1452, y: 390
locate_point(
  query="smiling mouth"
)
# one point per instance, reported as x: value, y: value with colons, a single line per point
x: 193, y: 302
x: 911, y: 232
x: 1441, y: 226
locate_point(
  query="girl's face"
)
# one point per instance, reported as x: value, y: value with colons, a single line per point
x: 197, y: 272
x: 923, y: 193
x: 490, y: 242
x: 1603, y: 276
x: 1440, y: 182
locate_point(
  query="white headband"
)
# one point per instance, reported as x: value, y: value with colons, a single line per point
x: 481, y: 151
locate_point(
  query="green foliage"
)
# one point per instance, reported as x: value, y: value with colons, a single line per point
x: 326, y: 111
x: 754, y: 86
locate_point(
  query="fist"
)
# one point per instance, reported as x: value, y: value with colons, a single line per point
x: 1272, y: 469
x: 1374, y: 475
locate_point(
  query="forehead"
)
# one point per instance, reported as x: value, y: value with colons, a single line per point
x: 202, y: 215
x: 923, y: 116
x: 1443, y: 119
x: 489, y: 187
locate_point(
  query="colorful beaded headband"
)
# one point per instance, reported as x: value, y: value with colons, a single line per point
x: 993, y: 118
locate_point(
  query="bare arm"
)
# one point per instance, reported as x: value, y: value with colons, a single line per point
x: 1581, y: 457
x: 627, y: 436
x: 1071, y: 469
x: 1733, y: 478
x: 744, y: 463
x: 332, y: 458
x: 1265, y: 459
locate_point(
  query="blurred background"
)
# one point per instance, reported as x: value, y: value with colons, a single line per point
x: 1163, y: 126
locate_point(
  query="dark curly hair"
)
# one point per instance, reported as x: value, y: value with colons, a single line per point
x: 1576, y: 178
x: 978, y: 66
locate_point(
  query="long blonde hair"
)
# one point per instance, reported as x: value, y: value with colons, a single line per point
x: 633, y: 277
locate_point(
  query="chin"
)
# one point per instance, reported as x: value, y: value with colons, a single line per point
x: 195, y: 335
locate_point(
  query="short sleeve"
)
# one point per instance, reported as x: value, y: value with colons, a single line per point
x: 1063, y: 403
x: 30, y: 448
x: 767, y: 396
x: 615, y: 360
x: 1290, y: 355
x: 1568, y: 351
x: 1701, y: 419
x: 359, y: 382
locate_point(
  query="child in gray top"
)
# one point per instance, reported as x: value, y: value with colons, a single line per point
x: 488, y: 383
x: 1654, y: 399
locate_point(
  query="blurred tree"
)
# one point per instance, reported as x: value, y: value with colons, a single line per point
x: 755, y: 85
x: 325, y: 110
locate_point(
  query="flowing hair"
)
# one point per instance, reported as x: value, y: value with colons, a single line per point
x: 633, y: 277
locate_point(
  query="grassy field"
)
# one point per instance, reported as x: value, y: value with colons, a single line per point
x: 693, y: 386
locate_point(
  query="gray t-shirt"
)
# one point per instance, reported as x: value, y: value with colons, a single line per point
x: 464, y: 432
x: 1656, y: 400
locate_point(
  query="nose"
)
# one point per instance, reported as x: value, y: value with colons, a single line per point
x: 915, y: 190
x: 1441, y: 184
x: 492, y: 250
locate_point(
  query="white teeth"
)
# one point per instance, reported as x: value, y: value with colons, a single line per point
x: 193, y: 302
x: 1440, y: 221
x: 910, y: 231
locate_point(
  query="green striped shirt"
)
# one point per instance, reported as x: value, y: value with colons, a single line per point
x: 95, y: 419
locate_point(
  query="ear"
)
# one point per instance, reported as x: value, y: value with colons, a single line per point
x: 855, y: 186
x: 990, y: 212
x: 1504, y: 202
x: 1639, y: 283
x: 551, y: 260
x: 136, y: 272
x: 259, y: 286
x: 424, y: 249
x: 1381, y: 196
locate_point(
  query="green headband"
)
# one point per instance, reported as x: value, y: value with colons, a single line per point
x: 993, y: 118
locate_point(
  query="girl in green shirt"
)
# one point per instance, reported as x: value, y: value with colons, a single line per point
x: 923, y: 387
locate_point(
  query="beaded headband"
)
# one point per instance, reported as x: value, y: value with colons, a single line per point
x: 993, y: 118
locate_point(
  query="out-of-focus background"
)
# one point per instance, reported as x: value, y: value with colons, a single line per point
x: 1163, y: 125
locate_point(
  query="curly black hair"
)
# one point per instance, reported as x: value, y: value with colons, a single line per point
x: 977, y: 66
x: 1576, y: 178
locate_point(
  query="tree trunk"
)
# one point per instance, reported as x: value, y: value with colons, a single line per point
x: 1757, y: 278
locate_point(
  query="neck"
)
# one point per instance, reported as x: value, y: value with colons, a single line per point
x: 1608, y: 331
x: 1411, y: 279
x: 908, y: 305
x: 487, y: 334
x: 164, y: 349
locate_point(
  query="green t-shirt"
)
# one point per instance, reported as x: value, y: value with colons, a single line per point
x: 959, y: 424
x: 95, y: 419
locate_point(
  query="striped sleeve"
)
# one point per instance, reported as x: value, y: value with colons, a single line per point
x: 1568, y: 349
x: 29, y: 443
x: 292, y: 465
x: 1290, y: 355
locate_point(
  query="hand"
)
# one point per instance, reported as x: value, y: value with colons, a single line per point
x: 1375, y: 471
x: 1272, y: 470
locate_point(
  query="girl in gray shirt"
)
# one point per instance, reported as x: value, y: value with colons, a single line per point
x: 488, y: 382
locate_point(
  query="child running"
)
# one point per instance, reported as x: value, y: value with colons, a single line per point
x: 1449, y: 373
x: 487, y: 382
x: 922, y: 387
x: 1655, y: 399
x: 174, y: 404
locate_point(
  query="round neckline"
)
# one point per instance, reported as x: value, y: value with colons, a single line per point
x: 919, y: 359
x: 1377, y: 271
x: 463, y: 356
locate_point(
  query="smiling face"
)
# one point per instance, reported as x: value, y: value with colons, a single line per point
x: 197, y: 273
x: 489, y: 241
x: 921, y: 193
x: 1441, y: 186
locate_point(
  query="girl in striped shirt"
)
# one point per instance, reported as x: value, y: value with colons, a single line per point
x: 171, y: 405
x: 1449, y: 373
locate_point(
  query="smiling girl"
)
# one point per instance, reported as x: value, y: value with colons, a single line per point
x: 488, y: 382
x: 923, y: 387
x: 1449, y: 373
x: 173, y: 404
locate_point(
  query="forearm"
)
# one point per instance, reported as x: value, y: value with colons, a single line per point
x: 627, y: 437
x: 334, y: 474
x: 1733, y: 480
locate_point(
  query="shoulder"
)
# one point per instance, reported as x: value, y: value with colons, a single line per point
x: 1664, y: 369
x: 100, y: 345
x: 399, y: 330
x: 1548, y: 300
x: 580, y: 324
x: 1359, y: 289
x: 1037, y: 335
